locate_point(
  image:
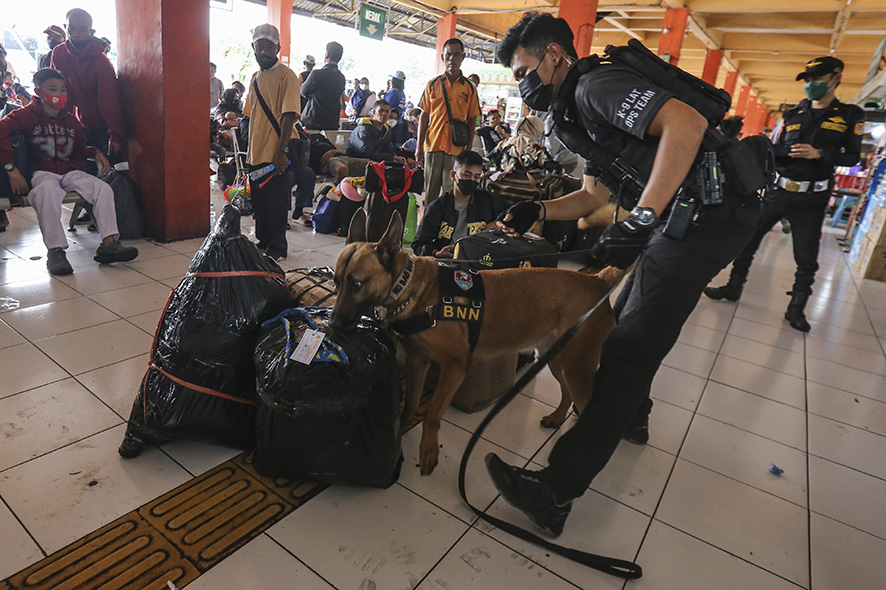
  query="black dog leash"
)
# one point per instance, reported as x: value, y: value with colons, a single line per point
x: 609, y: 565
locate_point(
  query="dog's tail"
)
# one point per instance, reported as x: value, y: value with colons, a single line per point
x: 611, y: 275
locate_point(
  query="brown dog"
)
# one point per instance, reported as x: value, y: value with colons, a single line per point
x: 523, y: 307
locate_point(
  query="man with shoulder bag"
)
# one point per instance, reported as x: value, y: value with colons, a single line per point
x: 273, y: 106
x: 653, y: 144
x: 449, y: 107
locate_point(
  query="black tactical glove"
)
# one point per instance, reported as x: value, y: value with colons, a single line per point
x: 523, y: 215
x: 623, y: 242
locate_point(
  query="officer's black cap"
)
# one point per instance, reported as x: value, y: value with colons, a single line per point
x: 821, y: 66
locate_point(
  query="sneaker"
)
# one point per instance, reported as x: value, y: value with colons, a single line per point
x: 114, y: 252
x: 638, y: 432
x: 57, y: 263
x: 526, y: 492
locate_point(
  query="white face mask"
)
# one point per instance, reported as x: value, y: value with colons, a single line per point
x: 364, y: 86
x: 391, y: 122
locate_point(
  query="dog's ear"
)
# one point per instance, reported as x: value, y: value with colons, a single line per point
x: 357, y: 229
x: 391, y: 242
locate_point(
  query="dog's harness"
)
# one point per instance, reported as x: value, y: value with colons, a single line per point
x: 454, y: 282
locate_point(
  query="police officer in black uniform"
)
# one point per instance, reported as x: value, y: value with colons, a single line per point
x: 660, y: 136
x: 820, y: 133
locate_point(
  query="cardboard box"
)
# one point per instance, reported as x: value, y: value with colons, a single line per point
x: 876, y: 233
x: 871, y: 262
x: 485, y: 382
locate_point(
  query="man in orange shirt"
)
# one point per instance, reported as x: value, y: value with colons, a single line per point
x: 444, y: 133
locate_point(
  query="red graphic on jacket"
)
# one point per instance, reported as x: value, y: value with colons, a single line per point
x: 56, y: 144
x: 93, y: 92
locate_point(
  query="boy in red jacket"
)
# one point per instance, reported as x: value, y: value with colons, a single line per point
x: 57, y: 146
x: 93, y: 93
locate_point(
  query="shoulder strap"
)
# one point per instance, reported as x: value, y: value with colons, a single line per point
x: 264, y: 106
x: 446, y: 98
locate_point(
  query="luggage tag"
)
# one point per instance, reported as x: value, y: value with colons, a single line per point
x: 308, y: 346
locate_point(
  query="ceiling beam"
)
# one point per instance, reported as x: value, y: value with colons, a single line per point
x: 840, y: 24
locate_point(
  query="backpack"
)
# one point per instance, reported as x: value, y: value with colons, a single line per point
x: 127, y: 202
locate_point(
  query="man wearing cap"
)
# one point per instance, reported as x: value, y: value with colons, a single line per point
x: 819, y: 134
x: 309, y: 64
x: 395, y: 96
x: 273, y: 107
x: 55, y: 35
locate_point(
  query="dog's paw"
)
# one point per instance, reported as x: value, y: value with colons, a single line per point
x: 553, y: 420
x: 428, y: 459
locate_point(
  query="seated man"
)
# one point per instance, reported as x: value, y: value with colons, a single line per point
x: 57, y: 146
x: 494, y: 131
x: 463, y: 211
x: 372, y: 137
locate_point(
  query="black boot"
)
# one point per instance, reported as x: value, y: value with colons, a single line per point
x: 794, y: 315
x: 731, y: 291
x: 638, y: 432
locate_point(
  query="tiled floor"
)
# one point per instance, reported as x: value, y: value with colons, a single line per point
x: 697, y: 507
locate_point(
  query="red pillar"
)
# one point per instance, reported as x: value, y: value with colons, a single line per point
x: 731, y: 79
x: 162, y: 55
x: 741, y: 107
x: 672, y: 33
x: 750, y: 118
x: 771, y: 122
x: 280, y: 15
x: 711, y: 68
x: 445, y: 32
x: 581, y: 16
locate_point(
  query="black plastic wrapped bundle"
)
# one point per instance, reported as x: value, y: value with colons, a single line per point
x: 337, y: 419
x: 201, y: 380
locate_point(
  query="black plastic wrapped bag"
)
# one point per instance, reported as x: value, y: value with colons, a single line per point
x: 337, y: 419
x: 201, y: 381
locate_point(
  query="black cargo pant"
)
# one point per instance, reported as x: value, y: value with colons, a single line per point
x: 805, y: 211
x: 655, y: 302
x: 270, y: 204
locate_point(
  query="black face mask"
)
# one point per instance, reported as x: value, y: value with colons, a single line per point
x: 535, y: 93
x: 80, y: 44
x: 467, y: 187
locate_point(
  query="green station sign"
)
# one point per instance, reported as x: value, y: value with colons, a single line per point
x: 372, y: 22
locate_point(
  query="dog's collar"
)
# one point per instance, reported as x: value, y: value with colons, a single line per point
x: 401, y: 283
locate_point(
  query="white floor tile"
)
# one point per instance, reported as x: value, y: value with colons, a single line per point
x: 691, y: 359
x: 761, y: 381
x: 764, y: 355
x: 848, y: 408
x: 199, y: 457
x: 677, y: 387
x: 702, y: 337
x: 848, y: 379
x: 40, y: 369
x: 365, y: 538
x: 165, y: 267
x: 597, y: 524
x: 478, y: 561
x: 37, y: 291
x: 739, y: 519
x: 866, y: 341
x: 517, y: 428
x: 136, y: 300
x: 19, y: 549
x: 673, y: 560
x: 99, y: 346
x: 441, y: 487
x: 781, y: 337
x: 847, y: 445
x: 848, y: 496
x: 709, y: 318
x: 773, y: 420
x: 872, y: 362
x: 260, y: 564
x: 9, y: 337
x: 15, y: 269
x: 148, y: 321
x: 636, y: 476
x: 41, y: 420
x: 844, y: 557
x: 746, y: 457
x: 117, y: 384
x: 667, y: 427
x: 103, y: 277
x: 43, y: 321
x: 55, y: 498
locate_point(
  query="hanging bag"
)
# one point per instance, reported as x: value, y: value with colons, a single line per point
x: 299, y: 147
x: 460, y: 129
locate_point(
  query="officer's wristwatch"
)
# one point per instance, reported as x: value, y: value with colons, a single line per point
x: 285, y: 149
x: 643, y: 216
x: 9, y: 166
